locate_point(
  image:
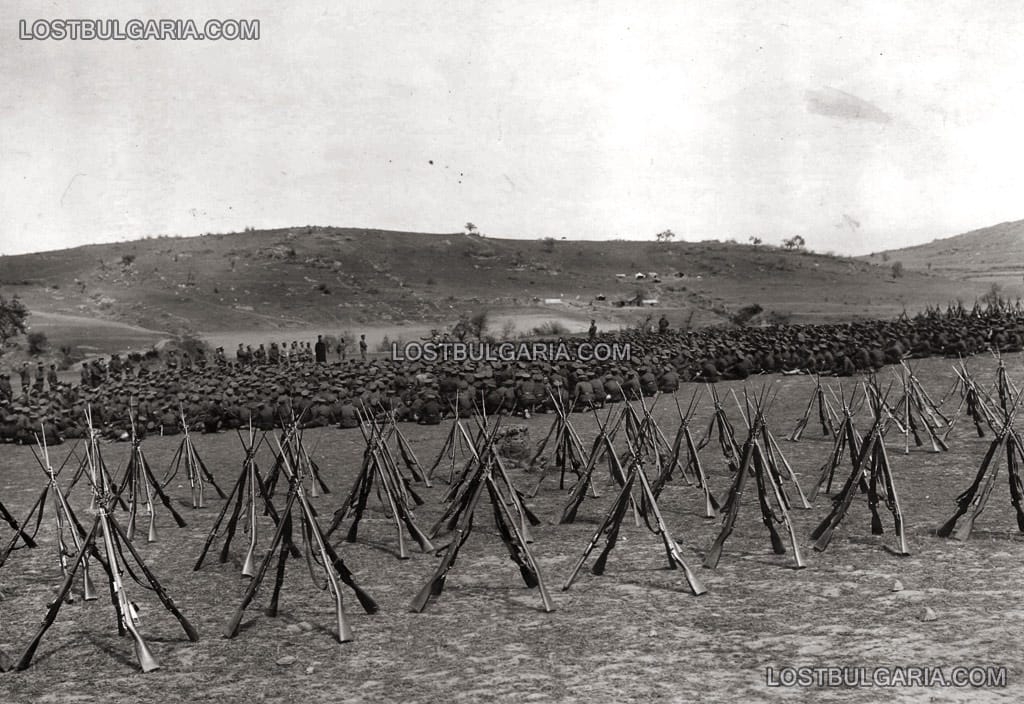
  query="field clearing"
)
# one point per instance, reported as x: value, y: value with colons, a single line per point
x: 521, y: 322
x: 634, y: 634
x: 91, y: 335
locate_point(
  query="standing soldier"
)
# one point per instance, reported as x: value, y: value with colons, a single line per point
x: 40, y: 379
x: 51, y: 378
x: 342, y: 347
x: 26, y: 379
x: 663, y: 324
x: 321, y: 350
x: 116, y: 368
x: 592, y: 332
x: 6, y: 392
x: 362, y: 347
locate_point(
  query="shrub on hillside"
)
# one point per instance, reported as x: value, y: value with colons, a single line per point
x: 550, y: 328
x: 745, y: 314
x: 193, y: 345
x: 37, y: 343
x: 69, y: 356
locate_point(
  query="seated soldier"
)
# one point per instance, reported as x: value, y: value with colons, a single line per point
x: 648, y: 382
x: 212, y: 415
x: 582, y: 393
x: 631, y: 388
x: 170, y: 422
x: 430, y: 411
x: 527, y: 393
x: 347, y: 416
x: 50, y: 436
x: 613, y: 387
x: 494, y: 397
x: 8, y: 425
x: 465, y: 409
x: 669, y: 381
x: 265, y: 416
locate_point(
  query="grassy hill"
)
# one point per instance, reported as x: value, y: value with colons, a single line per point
x: 991, y: 254
x: 301, y: 278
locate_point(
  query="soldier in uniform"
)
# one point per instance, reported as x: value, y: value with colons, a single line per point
x: 669, y: 381
x: 527, y: 392
x: 648, y: 381
x: 8, y: 423
x: 430, y: 411
x: 26, y: 379
x: 37, y: 388
x: 169, y: 421
x: 582, y: 392
x: 631, y: 388
x: 116, y: 368
x: 212, y: 415
x: 265, y: 416
x: 612, y: 382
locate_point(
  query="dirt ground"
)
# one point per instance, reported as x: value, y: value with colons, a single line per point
x: 633, y: 634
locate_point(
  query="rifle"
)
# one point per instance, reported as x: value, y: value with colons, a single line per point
x: 612, y: 520
x: 823, y: 533
x: 435, y: 586
x: 671, y: 547
x: 733, y: 505
x: 51, y: 613
x: 970, y: 497
x: 892, y: 502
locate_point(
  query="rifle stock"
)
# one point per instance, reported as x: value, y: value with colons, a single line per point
x: 732, y: 508
x: 162, y: 595
x: 51, y: 614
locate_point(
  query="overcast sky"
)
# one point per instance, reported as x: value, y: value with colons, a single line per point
x: 860, y: 129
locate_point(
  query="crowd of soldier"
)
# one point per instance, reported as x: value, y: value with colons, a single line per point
x: 271, y: 386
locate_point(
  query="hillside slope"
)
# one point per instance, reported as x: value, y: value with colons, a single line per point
x: 301, y: 277
x: 991, y: 254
